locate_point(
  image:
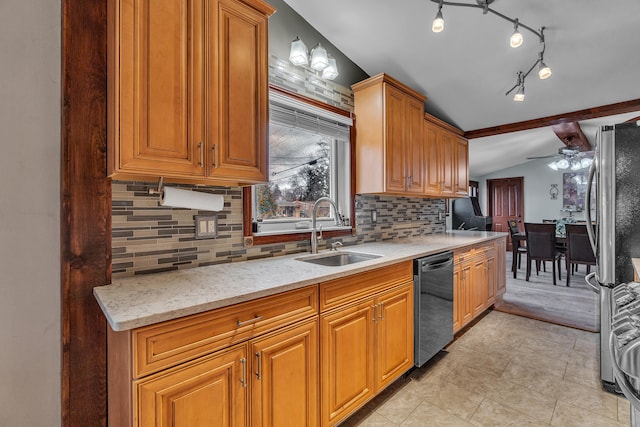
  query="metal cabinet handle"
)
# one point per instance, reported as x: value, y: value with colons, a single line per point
x: 248, y: 322
x: 243, y: 379
x: 381, y: 311
x: 374, y: 312
x: 259, y: 373
x: 201, y: 162
x: 215, y: 155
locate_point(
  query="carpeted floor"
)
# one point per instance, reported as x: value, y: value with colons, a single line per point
x: 575, y: 306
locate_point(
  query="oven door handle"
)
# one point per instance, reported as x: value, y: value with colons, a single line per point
x: 594, y: 286
x: 436, y: 265
x: 623, y: 382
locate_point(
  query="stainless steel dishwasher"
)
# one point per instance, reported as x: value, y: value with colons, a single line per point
x: 433, y: 315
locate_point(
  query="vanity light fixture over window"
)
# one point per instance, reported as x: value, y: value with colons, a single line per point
x: 319, y: 61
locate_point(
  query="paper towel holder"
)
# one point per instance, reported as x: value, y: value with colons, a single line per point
x: 159, y: 190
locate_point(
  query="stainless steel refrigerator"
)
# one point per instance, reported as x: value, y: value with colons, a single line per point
x: 616, y: 236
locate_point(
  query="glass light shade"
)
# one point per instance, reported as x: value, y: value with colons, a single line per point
x: 319, y: 58
x: 519, y: 96
x: 553, y: 166
x: 298, y: 52
x: 576, y: 165
x: 331, y: 71
x: 438, y: 23
x: 562, y: 164
x: 586, y: 162
x: 544, y: 72
x: 516, y: 39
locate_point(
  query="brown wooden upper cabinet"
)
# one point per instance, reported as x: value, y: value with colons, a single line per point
x: 400, y: 149
x: 188, y: 88
x: 447, y: 170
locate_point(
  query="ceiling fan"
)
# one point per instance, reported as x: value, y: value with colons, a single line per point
x: 569, y: 157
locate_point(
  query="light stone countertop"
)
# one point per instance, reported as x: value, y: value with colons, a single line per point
x: 144, y: 300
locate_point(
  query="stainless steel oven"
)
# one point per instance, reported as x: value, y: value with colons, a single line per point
x: 433, y: 287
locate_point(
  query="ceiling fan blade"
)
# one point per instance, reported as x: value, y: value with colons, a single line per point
x: 542, y: 157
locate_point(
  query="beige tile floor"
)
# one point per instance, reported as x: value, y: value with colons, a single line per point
x: 506, y: 370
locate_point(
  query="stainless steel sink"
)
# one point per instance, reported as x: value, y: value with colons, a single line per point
x: 336, y: 259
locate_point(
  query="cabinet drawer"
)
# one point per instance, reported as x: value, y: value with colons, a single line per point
x: 337, y: 292
x: 166, y: 344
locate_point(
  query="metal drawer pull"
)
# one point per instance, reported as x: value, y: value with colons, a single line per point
x: 201, y: 162
x: 248, y: 322
x: 243, y: 380
x: 259, y: 373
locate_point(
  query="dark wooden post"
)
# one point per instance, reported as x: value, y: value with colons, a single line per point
x: 86, y: 211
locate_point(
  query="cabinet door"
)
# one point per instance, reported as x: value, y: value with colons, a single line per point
x: 501, y: 275
x: 466, y: 301
x: 156, y: 121
x: 238, y: 102
x: 395, y: 140
x: 346, y: 338
x: 414, y: 146
x: 394, y: 335
x: 491, y: 270
x: 210, y: 391
x: 457, y: 298
x: 448, y: 152
x: 478, y: 286
x: 461, y: 167
x: 433, y: 162
x: 284, y: 380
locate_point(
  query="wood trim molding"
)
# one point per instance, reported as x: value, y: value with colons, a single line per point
x: 310, y: 101
x: 575, y: 116
x: 85, y: 212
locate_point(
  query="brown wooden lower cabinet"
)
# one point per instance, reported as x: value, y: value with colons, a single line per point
x: 176, y: 373
x: 479, y: 280
x: 367, y: 345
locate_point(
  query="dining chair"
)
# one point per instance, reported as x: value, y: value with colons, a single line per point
x: 541, y: 246
x: 519, y: 245
x: 579, y: 250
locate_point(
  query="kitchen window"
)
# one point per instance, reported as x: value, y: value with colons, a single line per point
x: 309, y: 157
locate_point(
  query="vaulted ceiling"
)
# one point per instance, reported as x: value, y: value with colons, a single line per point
x: 591, y: 46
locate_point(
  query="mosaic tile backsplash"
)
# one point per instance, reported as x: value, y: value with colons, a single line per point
x: 149, y: 238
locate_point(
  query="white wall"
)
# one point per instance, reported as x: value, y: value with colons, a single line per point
x: 538, y: 178
x: 30, y: 338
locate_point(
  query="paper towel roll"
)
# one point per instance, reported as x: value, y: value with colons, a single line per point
x: 179, y: 198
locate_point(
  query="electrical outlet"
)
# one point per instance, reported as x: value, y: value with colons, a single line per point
x: 374, y: 216
x: 206, y: 226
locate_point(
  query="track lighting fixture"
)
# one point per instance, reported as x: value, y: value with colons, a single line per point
x: 320, y: 61
x: 515, y: 40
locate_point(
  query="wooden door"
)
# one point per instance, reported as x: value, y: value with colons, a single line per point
x: 156, y: 122
x: 414, y: 146
x: 394, y: 335
x: 395, y: 139
x: 506, y: 202
x: 347, y: 339
x: 207, y: 392
x: 284, y: 380
x: 238, y: 99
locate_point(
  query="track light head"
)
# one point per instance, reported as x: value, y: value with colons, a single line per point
x: 438, y: 22
x: 516, y: 38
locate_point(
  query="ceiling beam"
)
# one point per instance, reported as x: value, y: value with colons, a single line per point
x: 571, y: 135
x: 575, y: 116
